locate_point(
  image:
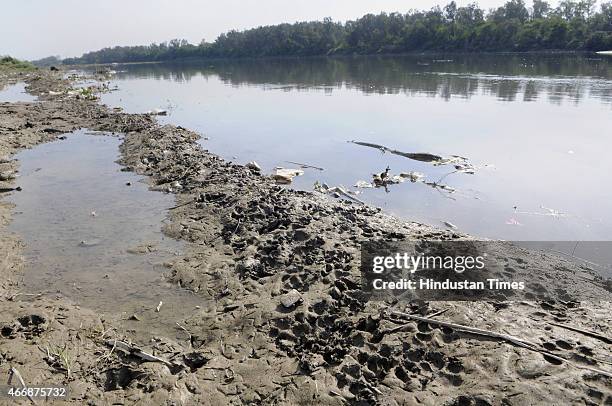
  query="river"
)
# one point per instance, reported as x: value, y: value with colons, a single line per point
x: 537, y: 128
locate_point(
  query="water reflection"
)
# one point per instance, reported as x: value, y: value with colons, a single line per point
x: 506, y: 77
x: 531, y: 125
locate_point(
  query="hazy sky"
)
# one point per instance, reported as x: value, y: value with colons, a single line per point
x: 32, y: 29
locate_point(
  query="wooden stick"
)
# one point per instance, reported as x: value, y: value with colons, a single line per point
x: 505, y: 337
x: 467, y: 329
x: 13, y: 372
x: 136, y: 352
x: 305, y: 165
x: 585, y: 332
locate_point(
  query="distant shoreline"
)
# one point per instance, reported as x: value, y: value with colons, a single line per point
x: 346, y: 56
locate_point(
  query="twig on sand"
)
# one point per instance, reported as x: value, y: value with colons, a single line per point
x: 131, y: 350
x: 186, y: 331
x: 585, y: 332
x: 438, y: 313
x: 13, y: 372
x: 404, y: 327
x: 467, y: 329
x: 504, y: 337
x: 107, y: 356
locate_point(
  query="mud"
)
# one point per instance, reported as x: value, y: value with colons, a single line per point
x: 286, y: 321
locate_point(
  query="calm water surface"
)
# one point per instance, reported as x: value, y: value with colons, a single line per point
x: 15, y: 93
x: 539, y: 129
x: 82, y: 218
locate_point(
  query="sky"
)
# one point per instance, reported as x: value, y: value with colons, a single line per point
x: 32, y: 29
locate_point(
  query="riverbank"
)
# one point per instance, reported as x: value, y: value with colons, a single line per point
x: 251, y: 244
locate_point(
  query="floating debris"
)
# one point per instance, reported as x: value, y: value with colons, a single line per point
x: 381, y: 179
x: 157, y: 112
x: 305, y: 166
x: 460, y: 163
x: 412, y: 176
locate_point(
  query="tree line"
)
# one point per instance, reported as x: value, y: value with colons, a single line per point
x: 571, y: 26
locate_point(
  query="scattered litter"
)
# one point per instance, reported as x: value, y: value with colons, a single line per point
x: 363, y: 184
x: 284, y: 176
x: 158, y: 308
x: 291, y: 299
x: 336, y: 191
x: 385, y: 179
x: 412, y: 176
x: 93, y: 214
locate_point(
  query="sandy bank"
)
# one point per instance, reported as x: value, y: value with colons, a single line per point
x: 251, y: 243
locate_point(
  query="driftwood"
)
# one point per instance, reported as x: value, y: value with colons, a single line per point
x: 585, y: 332
x: 417, y: 156
x: 305, y: 165
x: 504, y: 337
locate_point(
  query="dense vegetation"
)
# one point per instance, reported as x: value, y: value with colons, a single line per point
x: 7, y: 62
x: 572, y: 25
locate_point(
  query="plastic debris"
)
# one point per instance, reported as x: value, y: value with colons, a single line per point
x: 284, y: 176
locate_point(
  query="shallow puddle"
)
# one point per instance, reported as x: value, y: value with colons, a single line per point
x: 93, y: 233
x: 15, y: 93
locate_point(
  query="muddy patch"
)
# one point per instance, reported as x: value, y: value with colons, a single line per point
x: 93, y: 233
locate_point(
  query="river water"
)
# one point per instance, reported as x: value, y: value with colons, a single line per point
x: 538, y: 129
x: 93, y: 233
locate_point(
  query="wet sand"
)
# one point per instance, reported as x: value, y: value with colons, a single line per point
x: 250, y: 243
